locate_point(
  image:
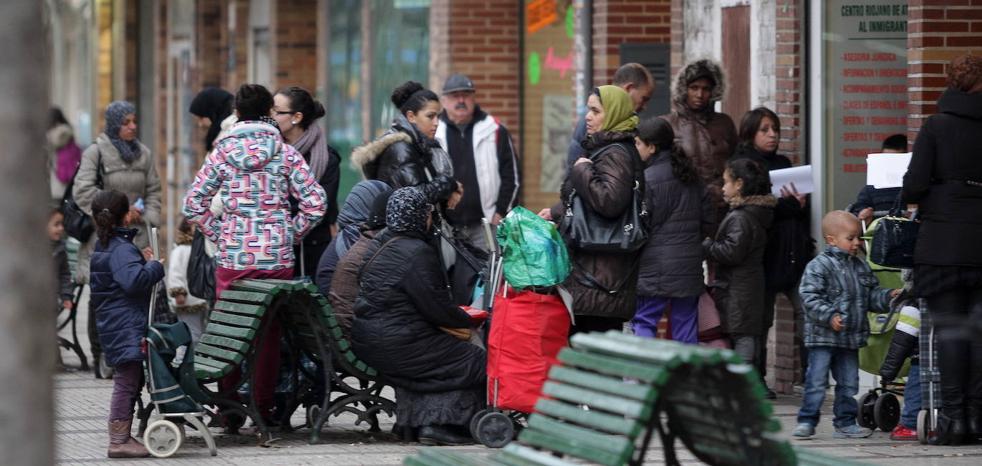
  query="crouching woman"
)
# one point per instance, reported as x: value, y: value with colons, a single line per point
x: 407, y: 327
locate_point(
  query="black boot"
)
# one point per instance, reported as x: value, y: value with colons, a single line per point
x: 953, y: 358
x: 442, y: 435
x: 951, y: 430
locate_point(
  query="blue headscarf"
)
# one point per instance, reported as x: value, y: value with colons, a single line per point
x: 356, y: 210
x: 115, y: 114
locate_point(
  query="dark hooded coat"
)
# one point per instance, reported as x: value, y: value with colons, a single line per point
x: 707, y: 137
x: 738, y: 252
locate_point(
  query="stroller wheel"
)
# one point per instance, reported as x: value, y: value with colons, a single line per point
x: 313, y: 411
x: 867, y: 402
x: 886, y: 412
x: 477, y: 417
x: 922, y: 427
x: 163, y: 438
x: 495, y: 429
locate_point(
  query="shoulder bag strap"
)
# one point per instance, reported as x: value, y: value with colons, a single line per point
x: 377, y: 252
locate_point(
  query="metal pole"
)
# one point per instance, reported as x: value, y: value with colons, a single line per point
x: 26, y: 274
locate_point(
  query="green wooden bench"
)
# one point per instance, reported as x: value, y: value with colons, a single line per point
x: 611, y: 393
x: 312, y: 330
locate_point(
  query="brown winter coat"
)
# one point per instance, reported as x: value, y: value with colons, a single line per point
x: 606, y: 186
x: 738, y: 252
x: 707, y: 137
x: 344, y: 282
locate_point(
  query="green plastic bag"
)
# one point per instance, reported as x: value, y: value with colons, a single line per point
x: 532, y: 251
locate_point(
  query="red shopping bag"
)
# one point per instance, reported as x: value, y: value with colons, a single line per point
x: 527, y: 331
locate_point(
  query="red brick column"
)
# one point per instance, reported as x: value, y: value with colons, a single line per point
x: 788, y: 97
x: 938, y: 31
x: 294, y: 34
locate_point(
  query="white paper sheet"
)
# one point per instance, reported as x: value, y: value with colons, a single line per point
x: 886, y: 170
x: 801, y: 177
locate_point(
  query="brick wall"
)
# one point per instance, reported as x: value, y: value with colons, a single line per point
x: 484, y: 44
x: 295, y: 44
x: 938, y: 31
x: 677, y: 36
x: 619, y: 21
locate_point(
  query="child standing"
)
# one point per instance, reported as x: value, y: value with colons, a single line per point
x: 190, y: 309
x: 121, y: 279
x: 904, y: 344
x: 738, y: 253
x: 837, y: 290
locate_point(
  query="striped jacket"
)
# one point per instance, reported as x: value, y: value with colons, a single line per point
x: 836, y: 282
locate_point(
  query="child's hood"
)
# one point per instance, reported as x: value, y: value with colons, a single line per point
x: 250, y: 145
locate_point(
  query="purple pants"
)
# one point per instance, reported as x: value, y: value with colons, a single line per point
x: 683, y: 317
x: 126, y: 388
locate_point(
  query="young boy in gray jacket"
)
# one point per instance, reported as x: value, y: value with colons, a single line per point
x: 837, y: 290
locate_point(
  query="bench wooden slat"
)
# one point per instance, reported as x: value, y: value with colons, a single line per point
x: 239, y: 333
x: 595, y: 400
x: 708, y: 356
x: 215, y: 352
x: 571, y: 447
x: 225, y: 342
x: 641, y: 392
x: 520, y: 455
x: 609, y: 365
x: 248, y: 297
x: 614, y: 444
x: 599, y: 420
x: 232, y: 319
x: 207, y: 368
x: 251, y: 310
x: 261, y: 286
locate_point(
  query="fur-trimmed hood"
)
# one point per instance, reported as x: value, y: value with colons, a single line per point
x: 365, y: 154
x: 766, y: 200
x: 704, y: 68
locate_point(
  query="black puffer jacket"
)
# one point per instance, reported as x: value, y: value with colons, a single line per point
x: 604, y: 284
x: 739, y: 254
x: 402, y: 301
x: 945, y: 179
x: 789, y: 242
x: 680, y: 215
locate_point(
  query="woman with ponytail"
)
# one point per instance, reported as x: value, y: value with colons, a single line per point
x: 680, y: 214
x: 122, y: 278
x: 296, y: 112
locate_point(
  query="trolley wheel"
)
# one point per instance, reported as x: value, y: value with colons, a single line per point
x: 495, y: 429
x: 163, y: 438
x: 886, y: 412
x: 867, y: 403
x: 477, y: 417
x: 922, y: 427
x: 313, y: 411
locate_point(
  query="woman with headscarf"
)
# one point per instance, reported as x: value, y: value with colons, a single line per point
x: 296, y: 112
x: 401, y: 313
x: 357, y: 209
x: 63, y: 154
x: 603, y: 285
x: 945, y: 178
x: 211, y: 107
x: 117, y: 161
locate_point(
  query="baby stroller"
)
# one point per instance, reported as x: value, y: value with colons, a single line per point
x: 927, y: 418
x: 165, y: 382
x: 529, y: 322
x: 880, y: 407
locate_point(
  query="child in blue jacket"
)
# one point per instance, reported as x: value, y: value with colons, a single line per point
x: 837, y: 290
x: 121, y: 280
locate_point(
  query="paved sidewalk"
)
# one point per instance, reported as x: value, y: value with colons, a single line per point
x: 82, y: 406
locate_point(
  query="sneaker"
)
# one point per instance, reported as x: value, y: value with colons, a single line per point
x: 902, y: 433
x: 803, y: 430
x: 852, y: 431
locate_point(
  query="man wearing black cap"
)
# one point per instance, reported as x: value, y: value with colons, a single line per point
x: 483, y: 156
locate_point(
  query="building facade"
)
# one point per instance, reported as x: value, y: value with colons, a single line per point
x: 840, y: 74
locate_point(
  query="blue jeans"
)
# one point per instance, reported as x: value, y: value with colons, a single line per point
x: 844, y: 365
x: 912, y: 398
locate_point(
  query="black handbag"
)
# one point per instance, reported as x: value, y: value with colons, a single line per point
x: 201, y: 270
x: 894, y: 239
x: 78, y: 224
x: 589, y: 231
